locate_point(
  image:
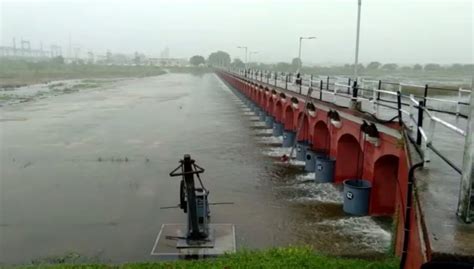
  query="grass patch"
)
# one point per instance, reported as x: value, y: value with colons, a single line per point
x: 288, y: 257
x: 19, y: 72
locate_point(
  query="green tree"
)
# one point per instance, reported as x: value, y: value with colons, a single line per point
x: 219, y: 58
x: 417, y: 67
x: 237, y: 63
x: 468, y: 68
x: 432, y: 67
x: 296, y: 63
x: 359, y: 67
x: 456, y: 67
x: 373, y: 65
x: 390, y: 67
x: 197, y: 60
x: 283, y: 67
x: 58, y: 60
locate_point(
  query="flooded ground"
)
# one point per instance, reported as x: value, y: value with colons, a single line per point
x: 87, y: 173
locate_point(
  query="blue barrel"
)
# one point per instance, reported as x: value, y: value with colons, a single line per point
x: 277, y: 129
x: 310, y: 160
x: 256, y: 110
x: 356, y: 196
x: 324, y: 171
x: 301, y: 147
x: 288, y: 138
x: 269, y: 121
x: 252, y: 106
x: 263, y: 115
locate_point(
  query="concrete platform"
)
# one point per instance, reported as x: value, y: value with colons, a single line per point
x: 438, y: 190
x: 167, y: 242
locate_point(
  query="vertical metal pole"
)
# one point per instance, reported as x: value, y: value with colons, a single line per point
x: 399, y: 103
x: 419, y: 122
x: 311, y: 81
x: 357, y: 40
x: 286, y: 82
x: 276, y: 76
x: 459, y: 101
x: 425, y: 94
x: 321, y: 89
x: 355, y: 89
x: 379, y: 88
x: 327, y: 83
x: 466, y: 190
x: 349, y: 84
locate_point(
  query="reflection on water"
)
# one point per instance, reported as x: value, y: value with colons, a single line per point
x: 87, y: 173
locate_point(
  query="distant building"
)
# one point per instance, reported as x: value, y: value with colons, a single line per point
x: 167, y: 62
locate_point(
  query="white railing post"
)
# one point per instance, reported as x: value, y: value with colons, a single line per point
x: 374, y: 99
x: 361, y: 88
x: 458, y: 110
x: 429, y: 140
x: 410, y: 120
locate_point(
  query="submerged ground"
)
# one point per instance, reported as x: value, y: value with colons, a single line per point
x: 85, y: 173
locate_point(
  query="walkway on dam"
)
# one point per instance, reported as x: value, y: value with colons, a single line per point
x: 438, y: 183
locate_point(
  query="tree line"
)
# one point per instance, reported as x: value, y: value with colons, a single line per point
x: 222, y: 58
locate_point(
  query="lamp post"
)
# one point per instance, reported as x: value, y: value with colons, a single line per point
x: 357, y: 40
x: 299, y: 52
x: 246, y: 49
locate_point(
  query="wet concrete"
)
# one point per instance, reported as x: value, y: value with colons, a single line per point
x: 86, y: 173
x: 438, y: 187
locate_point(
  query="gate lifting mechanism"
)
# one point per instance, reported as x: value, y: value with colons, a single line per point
x: 193, y: 201
x: 198, y: 236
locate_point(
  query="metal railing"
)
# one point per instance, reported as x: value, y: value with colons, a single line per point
x: 409, y: 102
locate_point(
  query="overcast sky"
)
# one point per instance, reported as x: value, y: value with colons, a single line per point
x: 401, y: 31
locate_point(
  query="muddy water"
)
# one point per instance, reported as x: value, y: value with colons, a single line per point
x: 87, y: 172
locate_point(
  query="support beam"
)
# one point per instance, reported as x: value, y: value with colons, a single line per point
x: 466, y: 193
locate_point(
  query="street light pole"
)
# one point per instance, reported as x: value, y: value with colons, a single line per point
x: 246, y: 48
x: 299, y: 51
x: 357, y: 40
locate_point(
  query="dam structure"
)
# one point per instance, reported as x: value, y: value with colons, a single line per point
x: 399, y: 149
